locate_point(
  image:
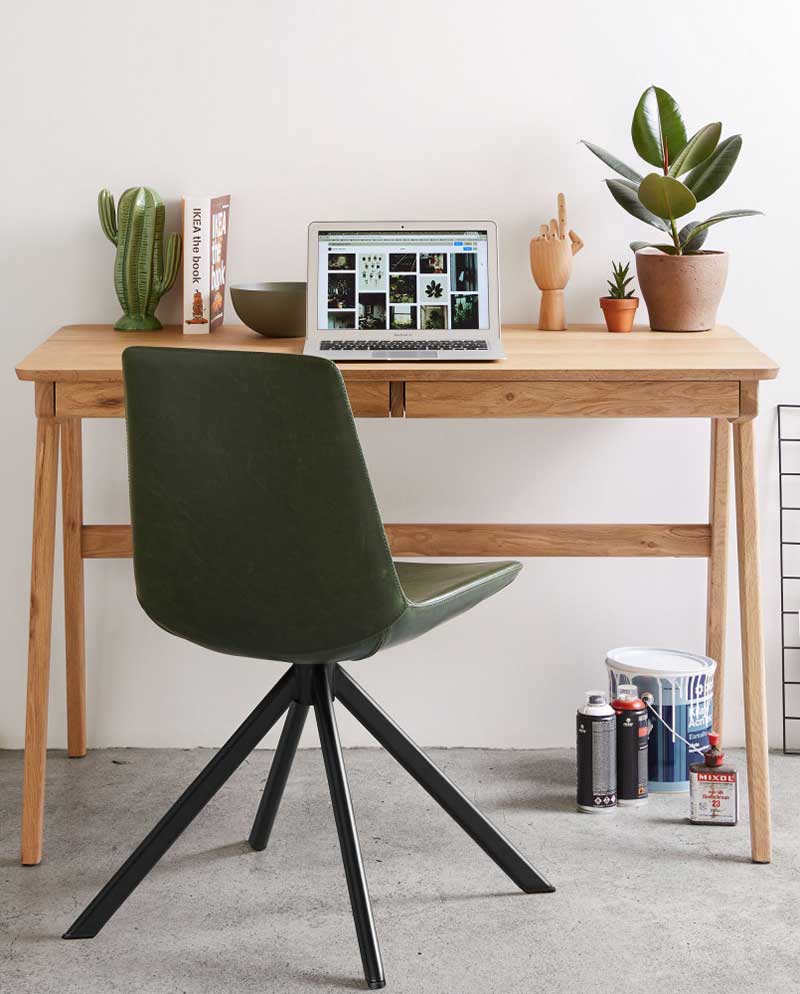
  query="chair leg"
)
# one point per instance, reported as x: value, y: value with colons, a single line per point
x: 395, y: 741
x: 278, y: 775
x: 184, y: 810
x: 346, y: 827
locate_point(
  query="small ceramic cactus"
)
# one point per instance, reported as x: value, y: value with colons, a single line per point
x: 141, y: 275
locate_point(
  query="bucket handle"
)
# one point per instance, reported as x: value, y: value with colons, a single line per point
x: 649, y: 705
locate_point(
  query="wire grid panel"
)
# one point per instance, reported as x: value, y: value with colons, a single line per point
x: 789, y: 497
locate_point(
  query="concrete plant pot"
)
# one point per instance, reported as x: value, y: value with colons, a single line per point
x: 682, y: 292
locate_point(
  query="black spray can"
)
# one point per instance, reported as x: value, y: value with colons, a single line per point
x: 633, y: 731
x: 597, y: 754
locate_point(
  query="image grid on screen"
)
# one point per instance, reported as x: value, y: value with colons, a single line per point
x: 403, y: 281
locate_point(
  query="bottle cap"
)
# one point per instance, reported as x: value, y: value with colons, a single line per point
x: 627, y: 692
x: 595, y: 697
x: 714, y: 756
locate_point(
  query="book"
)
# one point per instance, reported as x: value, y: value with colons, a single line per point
x: 205, y: 247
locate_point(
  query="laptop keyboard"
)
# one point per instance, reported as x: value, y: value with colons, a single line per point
x: 405, y: 345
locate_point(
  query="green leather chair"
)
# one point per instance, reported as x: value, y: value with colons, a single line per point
x: 256, y: 533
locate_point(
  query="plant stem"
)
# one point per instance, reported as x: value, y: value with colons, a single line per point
x: 676, y: 240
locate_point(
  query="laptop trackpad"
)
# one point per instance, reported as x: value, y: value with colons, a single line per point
x: 404, y: 354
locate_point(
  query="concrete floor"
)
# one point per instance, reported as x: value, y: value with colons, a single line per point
x: 644, y: 900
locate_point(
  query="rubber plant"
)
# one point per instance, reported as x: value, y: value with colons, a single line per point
x: 690, y: 169
x: 141, y: 274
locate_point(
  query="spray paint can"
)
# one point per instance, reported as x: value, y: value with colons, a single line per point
x: 597, y: 754
x: 633, y: 730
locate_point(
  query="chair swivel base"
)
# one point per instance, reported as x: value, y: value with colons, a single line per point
x: 302, y: 687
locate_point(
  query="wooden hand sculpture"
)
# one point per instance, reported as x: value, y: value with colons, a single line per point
x: 551, y: 266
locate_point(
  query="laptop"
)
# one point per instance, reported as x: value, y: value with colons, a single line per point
x: 403, y: 291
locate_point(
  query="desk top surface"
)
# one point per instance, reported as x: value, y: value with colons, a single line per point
x: 92, y: 353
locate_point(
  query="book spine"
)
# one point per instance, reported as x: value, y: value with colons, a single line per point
x: 220, y: 218
x: 196, y: 265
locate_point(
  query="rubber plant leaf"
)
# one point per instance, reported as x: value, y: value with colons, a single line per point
x: 688, y: 234
x: 657, y: 130
x: 665, y: 196
x: 666, y: 249
x: 709, y: 176
x: 611, y: 160
x: 627, y: 196
x: 703, y: 226
x: 697, y: 149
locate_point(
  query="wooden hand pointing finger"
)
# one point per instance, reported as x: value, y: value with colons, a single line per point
x: 551, y: 265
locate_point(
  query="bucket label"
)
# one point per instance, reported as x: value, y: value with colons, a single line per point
x: 685, y: 706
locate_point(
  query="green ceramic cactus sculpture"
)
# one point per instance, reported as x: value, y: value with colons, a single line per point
x: 141, y: 275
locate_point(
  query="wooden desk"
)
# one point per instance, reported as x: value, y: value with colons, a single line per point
x: 583, y: 372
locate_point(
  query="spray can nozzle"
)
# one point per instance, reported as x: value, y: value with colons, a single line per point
x: 627, y: 692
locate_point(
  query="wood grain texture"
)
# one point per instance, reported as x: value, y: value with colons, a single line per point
x: 41, y: 612
x: 594, y: 399
x: 753, y: 675
x: 85, y: 399
x: 397, y: 399
x: 44, y: 399
x: 548, y: 540
x: 583, y: 352
x: 104, y: 399
x: 552, y: 315
x: 106, y: 542
x: 717, y: 579
x: 114, y: 541
x: 748, y: 399
x: 551, y: 253
x: 74, y: 626
x: 369, y: 400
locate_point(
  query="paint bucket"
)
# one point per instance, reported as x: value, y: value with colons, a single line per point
x: 682, y: 687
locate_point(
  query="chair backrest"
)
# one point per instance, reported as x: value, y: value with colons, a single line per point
x: 255, y: 528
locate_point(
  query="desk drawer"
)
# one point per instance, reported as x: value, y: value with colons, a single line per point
x: 107, y: 400
x: 572, y: 399
x: 369, y: 400
x: 90, y: 400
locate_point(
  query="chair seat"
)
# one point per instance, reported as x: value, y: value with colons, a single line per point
x: 436, y: 592
x: 433, y: 593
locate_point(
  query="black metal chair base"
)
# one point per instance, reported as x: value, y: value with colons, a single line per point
x: 300, y: 688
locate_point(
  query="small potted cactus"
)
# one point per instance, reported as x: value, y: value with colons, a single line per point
x: 619, y: 307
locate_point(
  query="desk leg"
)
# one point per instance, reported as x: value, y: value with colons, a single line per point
x: 44, y: 524
x: 72, y: 522
x: 755, y: 699
x: 716, y: 598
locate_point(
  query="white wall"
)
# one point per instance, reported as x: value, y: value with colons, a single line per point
x: 355, y: 109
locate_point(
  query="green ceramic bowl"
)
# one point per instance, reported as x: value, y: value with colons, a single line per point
x: 276, y: 310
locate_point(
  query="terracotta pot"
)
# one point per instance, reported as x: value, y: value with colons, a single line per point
x: 619, y: 312
x: 682, y: 292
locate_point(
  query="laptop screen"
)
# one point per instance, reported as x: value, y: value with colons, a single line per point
x: 403, y: 281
